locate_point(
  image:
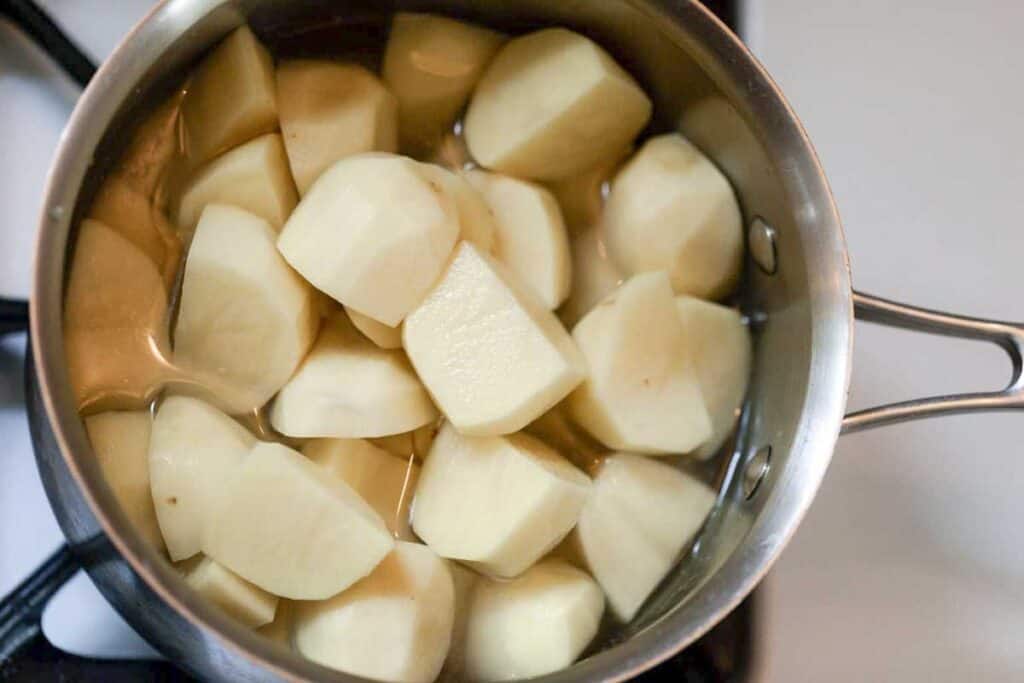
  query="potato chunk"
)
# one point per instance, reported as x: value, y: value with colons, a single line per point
x: 476, y: 220
x: 535, y: 624
x: 640, y: 514
x: 349, y: 388
x: 230, y: 97
x: 329, y: 111
x: 581, y: 196
x: 240, y: 599
x: 496, y: 503
x: 671, y: 209
x: 489, y: 353
x: 642, y: 393
x: 531, y: 236
x: 594, y: 275
x: 374, y: 233
x: 551, y: 104
x: 380, y: 334
x: 246, y: 319
x: 194, y: 450
x: 292, y: 528
x: 394, y: 625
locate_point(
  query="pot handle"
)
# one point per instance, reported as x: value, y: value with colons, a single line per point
x: 1007, y: 336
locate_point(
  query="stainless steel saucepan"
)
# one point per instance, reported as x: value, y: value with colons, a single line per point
x: 796, y: 291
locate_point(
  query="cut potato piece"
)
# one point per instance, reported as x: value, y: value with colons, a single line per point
x: 594, y: 276
x: 349, y: 388
x: 380, y: 334
x: 240, y: 599
x: 119, y: 441
x: 246, y: 319
x: 330, y: 111
x: 581, y: 196
x: 465, y: 581
x: 292, y: 528
x: 642, y: 393
x: 476, y: 220
x: 194, y: 450
x: 496, y: 503
x: 374, y: 233
x: 381, y: 479
x: 230, y: 98
x: 489, y: 353
x: 394, y: 625
x: 431, y: 64
x: 253, y: 177
x: 551, y: 104
x: 535, y: 624
x: 719, y: 347
x: 640, y: 514
x: 280, y: 629
x: 416, y: 443
x: 532, y: 240
x: 671, y: 209
x: 114, y: 321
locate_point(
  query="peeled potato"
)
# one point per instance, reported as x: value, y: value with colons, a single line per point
x: 280, y: 629
x: 230, y: 98
x: 671, y: 209
x: 639, y: 516
x: 194, y: 449
x: 581, y: 196
x: 415, y: 443
x: 496, y: 503
x: 329, y: 111
x: 253, y: 176
x: 431, y: 64
x: 531, y: 236
x: 246, y: 319
x: 292, y: 528
x: 535, y: 624
x: 476, y: 220
x: 380, y: 334
x: 373, y: 233
x: 551, y: 104
x: 119, y: 440
x: 381, y: 479
x: 594, y: 275
x: 719, y: 346
x: 642, y: 393
x: 489, y: 353
x: 349, y: 388
x: 394, y: 625
x: 237, y: 597
x: 465, y: 581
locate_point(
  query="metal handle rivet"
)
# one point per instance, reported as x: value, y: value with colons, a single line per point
x: 755, y: 471
x: 761, y: 238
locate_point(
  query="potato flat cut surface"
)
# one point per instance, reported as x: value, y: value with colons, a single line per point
x: 594, y: 276
x: 394, y: 625
x: 193, y: 451
x: 246, y: 319
x: 120, y: 440
x: 253, y: 176
x: 642, y: 393
x: 535, y: 624
x: 331, y: 110
x: 641, y: 513
x: 240, y: 599
x: 292, y: 528
x: 347, y: 387
x: 231, y: 97
x: 496, y: 503
x: 671, y: 209
x: 373, y: 233
x: 491, y: 355
x: 380, y: 334
x: 476, y: 220
x: 551, y: 104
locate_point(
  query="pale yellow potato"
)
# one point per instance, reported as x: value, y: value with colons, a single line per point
x: 671, y: 209
x: 640, y: 514
x: 394, y: 625
x: 240, y: 599
x: 642, y: 393
x: 488, y: 351
x: 431, y: 63
x: 230, y: 98
x: 415, y: 443
x: 497, y: 504
x: 246, y: 319
x: 292, y: 528
x: 119, y: 441
x: 531, y: 236
x: 380, y: 334
x: 476, y: 220
x: 581, y: 196
x: 347, y: 387
x: 465, y: 581
x: 193, y: 450
x: 373, y: 233
x: 253, y: 176
x: 331, y: 110
x: 551, y: 104
x: 280, y: 629
x: 383, y: 480
x: 594, y: 275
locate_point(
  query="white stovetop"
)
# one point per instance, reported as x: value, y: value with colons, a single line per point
x: 908, y: 567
